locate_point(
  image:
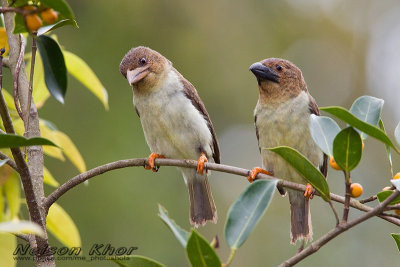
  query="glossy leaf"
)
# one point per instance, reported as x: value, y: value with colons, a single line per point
x: 50, y: 134
x: 61, y: 7
x: 372, y: 131
x: 323, y: 131
x: 347, y: 149
x: 13, y: 140
x: 55, y: 72
x: 84, y: 74
x: 367, y: 109
x: 247, y: 210
x: 397, y: 133
x: 200, y: 253
x: 385, y: 194
x: 12, y: 190
x: 48, y: 178
x: 180, y: 234
x: 396, y: 238
x: 70, y: 150
x: 388, y: 152
x: 60, y: 224
x: 19, y: 24
x: 40, y: 92
x: 136, y: 261
x: 54, y: 26
x: 305, y: 168
x: 8, y: 243
x: 21, y: 227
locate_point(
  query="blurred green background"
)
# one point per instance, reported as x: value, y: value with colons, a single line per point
x: 345, y: 49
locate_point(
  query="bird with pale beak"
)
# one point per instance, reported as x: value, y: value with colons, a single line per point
x: 175, y: 123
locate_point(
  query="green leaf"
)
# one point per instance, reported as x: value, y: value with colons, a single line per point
x: 179, y: 233
x: 388, y: 152
x: 2, y: 211
x: 19, y: 24
x: 60, y: 224
x: 12, y: 189
x: 247, y: 210
x: 78, y: 68
x: 13, y: 140
x: 372, y: 131
x: 397, y: 133
x: 200, y: 253
x: 385, y: 194
x: 347, y: 149
x: 367, y: 109
x: 304, y: 167
x: 323, y: 131
x: 8, y: 243
x: 48, y: 178
x: 396, y: 238
x: 21, y: 227
x: 136, y: 261
x: 61, y: 7
x: 54, y: 26
x: 55, y: 72
x: 70, y: 150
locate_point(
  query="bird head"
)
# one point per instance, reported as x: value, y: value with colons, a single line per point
x: 143, y: 67
x: 278, y: 79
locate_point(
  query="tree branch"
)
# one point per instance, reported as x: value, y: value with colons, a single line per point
x: 80, y: 178
x: 315, y: 246
x: 10, y: 162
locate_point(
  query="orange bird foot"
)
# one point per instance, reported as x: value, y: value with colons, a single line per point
x: 151, y: 160
x: 200, y: 163
x: 309, y: 193
x: 255, y: 171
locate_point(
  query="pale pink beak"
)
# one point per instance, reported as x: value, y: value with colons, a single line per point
x: 136, y: 75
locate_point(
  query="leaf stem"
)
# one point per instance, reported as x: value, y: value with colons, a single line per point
x: 230, y: 259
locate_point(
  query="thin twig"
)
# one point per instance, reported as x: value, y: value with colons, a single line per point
x: 80, y: 178
x: 334, y: 212
x: 347, y: 196
x: 24, y: 237
x: 369, y: 199
x: 28, y: 108
x: 316, y: 245
x: 16, y: 76
x: 10, y: 162
x: 21, y: 11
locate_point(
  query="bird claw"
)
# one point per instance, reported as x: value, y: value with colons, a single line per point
x: 151, y: 160
x: 200, y: 163
x: 253, y: 173
x: 309, y: 192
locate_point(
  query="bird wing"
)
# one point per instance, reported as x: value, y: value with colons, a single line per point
x: 313, y: 107
x: 257, y: 134
x: 191, y: 94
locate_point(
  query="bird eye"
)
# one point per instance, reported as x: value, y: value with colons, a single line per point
x: 279, y: 67
x: 142, y: 61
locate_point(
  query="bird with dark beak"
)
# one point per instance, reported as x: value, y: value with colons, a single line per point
x: 281, y: 118
x: 175, y: 123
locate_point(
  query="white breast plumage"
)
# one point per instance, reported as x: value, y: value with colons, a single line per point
x: 171, y: 124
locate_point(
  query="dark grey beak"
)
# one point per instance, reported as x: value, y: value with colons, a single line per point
x: 264, y: 73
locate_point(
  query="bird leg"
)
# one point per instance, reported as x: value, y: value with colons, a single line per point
x: 256, y: 170
x: 151, y: 160
x: 309, y: 193
x: 200, y: 163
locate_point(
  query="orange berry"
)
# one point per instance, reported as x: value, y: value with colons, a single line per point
x: 356, y: 190
x: 334, y: 165
x: 397, y: 176
x: 49, y: 16
x: 33, y: 22
x: 363, y: 145
x: 397, y: 212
